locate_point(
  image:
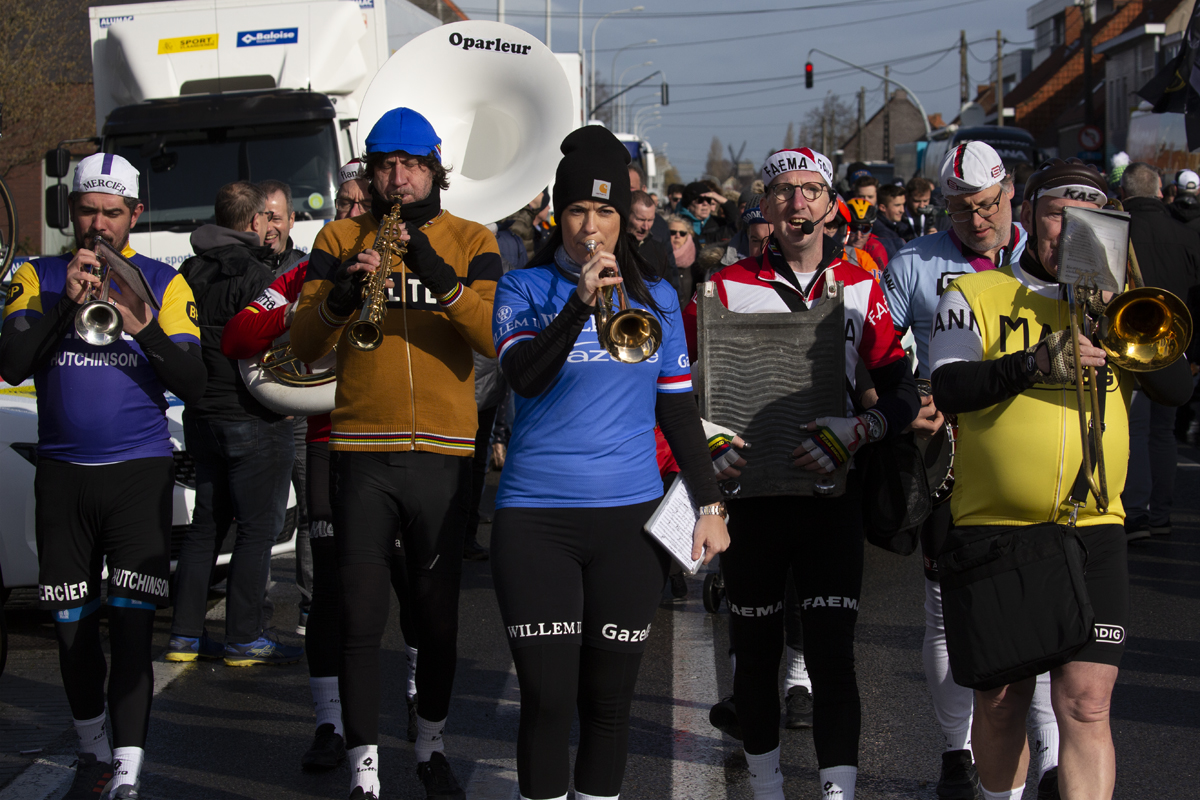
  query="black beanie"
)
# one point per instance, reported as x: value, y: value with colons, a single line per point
x: 595, y: 166
x: 693, y: 192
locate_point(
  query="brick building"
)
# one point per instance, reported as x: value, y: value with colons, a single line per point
x: 903, y: 123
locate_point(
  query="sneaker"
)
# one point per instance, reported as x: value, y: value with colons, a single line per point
x: 1137, y: 533
x: 327, y: 751
x: 438, y: 780
x: 190, y: 648
x: 360, y: 793
x: 799, y: 705
x: 125, y: 792
x: 1048, y: 785
x: 959, y: 780
x: 678, y: 587
x: 261, y: 651
x: 91, y: 778
x: 474, y: 551
x: 723, y: 717
x: 302, y: 625
x: 412, y: 718
x: 1160, y: 530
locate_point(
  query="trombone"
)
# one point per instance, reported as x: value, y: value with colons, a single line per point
x: 1143, y: 329
x: 630, y: 335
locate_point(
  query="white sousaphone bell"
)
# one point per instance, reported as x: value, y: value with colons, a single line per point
x: 501, y: 103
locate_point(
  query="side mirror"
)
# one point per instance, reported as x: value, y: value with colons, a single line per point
x: 58, y: 162
x: 58, y: 212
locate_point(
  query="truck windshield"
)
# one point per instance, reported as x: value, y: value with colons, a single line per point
x: 181, y: 171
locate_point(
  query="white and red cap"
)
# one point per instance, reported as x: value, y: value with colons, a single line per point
x: 108, y: 174
x: 351, y: 171
x: 971, y: 167
x: 804, y: 158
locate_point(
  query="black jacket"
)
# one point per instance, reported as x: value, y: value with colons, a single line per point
x: 1167, y: 251
x: 1186, y: 209
x: 228, y: 271
x: 889, y: 236
x: 282, y: 262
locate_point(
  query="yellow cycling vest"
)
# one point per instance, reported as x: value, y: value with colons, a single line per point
x: 1016, y: 461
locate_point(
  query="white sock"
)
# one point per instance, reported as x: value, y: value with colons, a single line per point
x: 959, y: 739
x: 365, y: 759
x: 797, y: 673
x: 581, y: 796
x: 1012, y: 794
x: 410, y: 656
x: 765, y: 778
x: 127, y: 765
x: 429, y: 738
x: 327, y: 702
x: 93, y: 738
x: 952, y: 704
x: 837, y: 783
x: 1043, y: 746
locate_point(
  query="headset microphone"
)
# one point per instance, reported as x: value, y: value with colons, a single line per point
x: 807, y: 227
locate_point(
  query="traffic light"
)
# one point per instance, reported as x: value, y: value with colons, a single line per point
x: 666, y: 94
x: 808, y: 75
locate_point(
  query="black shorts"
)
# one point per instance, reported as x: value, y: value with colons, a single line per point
x: 392, y: 502
x: 578, y: 575
x: 1106, y: 574
x: 86, y: 514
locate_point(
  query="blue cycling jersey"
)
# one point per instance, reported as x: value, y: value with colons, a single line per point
x: 588, y: 439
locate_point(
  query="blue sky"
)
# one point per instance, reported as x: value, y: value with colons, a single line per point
x: 759, y: 50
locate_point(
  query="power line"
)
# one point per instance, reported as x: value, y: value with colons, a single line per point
x: 857, y: 22
x: 675, y: 15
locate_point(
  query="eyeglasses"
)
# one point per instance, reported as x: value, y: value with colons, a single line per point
x: 985, y: 212
x: 784, y: 191
x: 344, y: 203
x: 680, y: 234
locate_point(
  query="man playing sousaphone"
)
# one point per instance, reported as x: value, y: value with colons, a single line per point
x: 1003, y: 359
x: 403, y: 428
x: 819, y: 538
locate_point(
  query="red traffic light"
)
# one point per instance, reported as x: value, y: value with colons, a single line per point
x: 808, y: 75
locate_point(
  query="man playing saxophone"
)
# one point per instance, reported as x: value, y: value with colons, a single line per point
x: 403, y: 429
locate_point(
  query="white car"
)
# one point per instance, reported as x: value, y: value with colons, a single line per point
x: 18, y: 455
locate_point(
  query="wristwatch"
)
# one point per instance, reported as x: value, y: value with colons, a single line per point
x: 876, y: 426
x: 714, y: 509
x: 1031, y: 367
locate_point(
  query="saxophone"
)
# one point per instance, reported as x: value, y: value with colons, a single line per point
x: 366, y: 332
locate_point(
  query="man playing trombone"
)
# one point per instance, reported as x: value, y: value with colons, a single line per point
x: 1004, y: 360
x: 105, y: 470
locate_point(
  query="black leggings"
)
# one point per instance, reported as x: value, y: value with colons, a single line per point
x: 323, y: 640
x: 821, y: 541
x: 578, y: 588
x: 81, y: 659
x: 420, y: 498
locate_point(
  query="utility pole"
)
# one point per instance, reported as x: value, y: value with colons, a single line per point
x: 862, y: 115
x: 887, y: 115
x: 499, y: 10
x: 1086, y: 34
x: 1000, y: 78
x: 547, y: 24
x: 964, y: 80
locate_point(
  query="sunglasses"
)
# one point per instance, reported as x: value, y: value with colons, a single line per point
x: 861, y: 228
x: 680, y: 234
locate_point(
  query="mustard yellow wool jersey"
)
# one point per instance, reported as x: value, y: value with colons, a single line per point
x: 417, y: 390
x: 1016, y: 461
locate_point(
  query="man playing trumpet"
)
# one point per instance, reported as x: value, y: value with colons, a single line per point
x: 105, y: 470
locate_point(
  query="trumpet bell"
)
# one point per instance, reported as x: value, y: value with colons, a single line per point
x: 290, y: 371
x: 1148, y: 329
x: 99, y: 323
x: 632, y: 336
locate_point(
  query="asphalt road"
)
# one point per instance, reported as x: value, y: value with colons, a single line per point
x: 221, y: 733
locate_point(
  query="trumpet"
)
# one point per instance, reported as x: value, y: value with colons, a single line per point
x: 630, y: 335
x: 366, y: 332
x: 99, y: 322
x: 1147, y: 329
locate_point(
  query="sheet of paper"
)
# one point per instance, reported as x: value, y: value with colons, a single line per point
x: 130, y: 272
x: 1094, y: 247
x: 672, y: 524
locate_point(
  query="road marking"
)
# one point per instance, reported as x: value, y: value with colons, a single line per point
x: 496, y: 779
x: 697, y: 769
x: 48, y: 777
